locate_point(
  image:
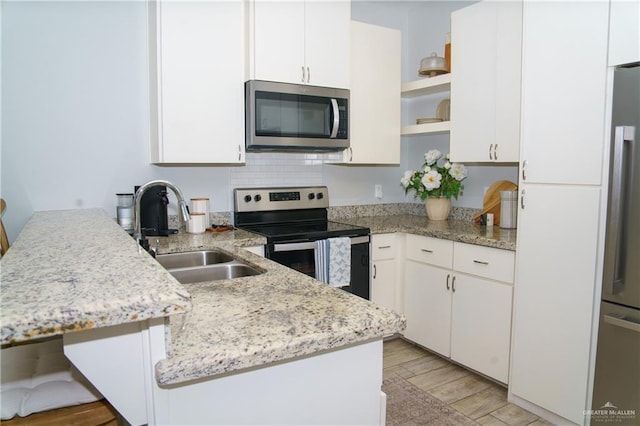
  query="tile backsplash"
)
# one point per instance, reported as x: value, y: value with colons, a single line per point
x: 343, y: 212
x: 281, y: 169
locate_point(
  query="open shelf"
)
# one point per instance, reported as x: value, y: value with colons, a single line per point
x: 428, y: 128
x: 426, y: 86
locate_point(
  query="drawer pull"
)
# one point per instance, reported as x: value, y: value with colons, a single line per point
x: 480, y: 262
x: 426, y: 250
x: 453, y: 284
x: 383, y: 247
x: 448, y: 276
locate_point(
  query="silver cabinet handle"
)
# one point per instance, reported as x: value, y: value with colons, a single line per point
x: 524, y: 166
x: 522, y: 199
x: 622, y: 321
x: 453, y: 284
x: 336, y: 118
x: 384, y: 247
x: 495, y: 152
x: 448, y: 276
x: 303, y: 74
x: 491, y: 152
x: 426, y: 250
x: 239, y: 153
x: 308, y: 75
x: 350, y: 154
x: 375, y: 271
x: 480, y: 262
x: 623, y: 145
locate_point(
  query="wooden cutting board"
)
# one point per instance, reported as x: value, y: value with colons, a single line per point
x: 491, y: 201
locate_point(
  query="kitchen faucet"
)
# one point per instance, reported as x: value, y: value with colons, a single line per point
x: 137, y: 231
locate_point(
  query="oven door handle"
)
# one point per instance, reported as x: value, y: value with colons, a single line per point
x: 309, y: 245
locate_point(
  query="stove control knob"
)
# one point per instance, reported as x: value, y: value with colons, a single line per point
x: 320, y: 195
x: 257, y: 197
x: 247, y: 198
x: 311, y: 195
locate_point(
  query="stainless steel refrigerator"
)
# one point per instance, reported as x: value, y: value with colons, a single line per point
x: 616, y: 396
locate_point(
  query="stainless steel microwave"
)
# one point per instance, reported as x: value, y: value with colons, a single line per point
x: 295, y: 117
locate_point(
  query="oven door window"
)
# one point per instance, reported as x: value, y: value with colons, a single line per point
x: 302, y: 260
x: 290, y: 115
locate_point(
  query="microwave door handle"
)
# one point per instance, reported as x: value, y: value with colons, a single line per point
x: 336, y: 118
x: 614, y: 254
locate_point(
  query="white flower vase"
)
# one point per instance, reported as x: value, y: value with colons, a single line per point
x: 438, y: 208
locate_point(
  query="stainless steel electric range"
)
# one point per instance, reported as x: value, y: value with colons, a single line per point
x: 293, y: 220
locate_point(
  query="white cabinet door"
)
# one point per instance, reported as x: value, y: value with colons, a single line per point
x: 327, y: 32
x: 277, y: 35
x: 427, y: 306
x: 563, y: 91
x: 383, y: 284
x: 196, y: 88
x: 304, y: 42
x: 374, y: 132
x: 624, y: 32
x: 554, y: 297
x: 384, y: 280
x: 481, y: 325
x: 485, y: 82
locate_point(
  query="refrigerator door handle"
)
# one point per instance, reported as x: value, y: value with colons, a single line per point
x: 615, y: 248
x: 622, y: 321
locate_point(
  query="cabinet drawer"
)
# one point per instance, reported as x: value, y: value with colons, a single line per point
x: 484, y: 262
x: 383, y: 246
x: 430, y: 250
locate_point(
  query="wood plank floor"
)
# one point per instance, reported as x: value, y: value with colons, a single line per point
x: 472, y: 395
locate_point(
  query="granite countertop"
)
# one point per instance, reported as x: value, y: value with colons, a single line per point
x: 253, y: 321
x: 456, y: 230
x: 73, y: 270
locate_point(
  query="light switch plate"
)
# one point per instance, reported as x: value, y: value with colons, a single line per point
x: 378, y: 191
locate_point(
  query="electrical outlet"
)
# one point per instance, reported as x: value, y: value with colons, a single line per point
x: 378, y: 191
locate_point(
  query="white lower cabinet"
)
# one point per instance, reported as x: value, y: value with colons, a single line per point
x: 259, y: 250
x: 481, y: 325
x: 427, y: 306
x: 384, y: 279
x: 457, y: 301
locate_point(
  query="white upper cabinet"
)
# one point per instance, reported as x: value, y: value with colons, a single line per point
x: 485, y: 82
x: 196, y: 87
x: 303, y: 42
x: 374, y: 118
x: 563, y: 89
x: 624, y: 32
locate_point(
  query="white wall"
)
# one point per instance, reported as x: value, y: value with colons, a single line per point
x: 74, y: 112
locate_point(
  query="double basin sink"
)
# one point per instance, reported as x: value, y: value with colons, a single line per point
x: 204, y: 265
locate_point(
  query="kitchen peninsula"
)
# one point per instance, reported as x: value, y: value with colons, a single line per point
x: 251, y: 349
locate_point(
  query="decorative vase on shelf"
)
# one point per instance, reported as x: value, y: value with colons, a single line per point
x: 438, y: 208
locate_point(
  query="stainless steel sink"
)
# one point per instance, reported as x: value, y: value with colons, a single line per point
x: 204, y: 265
x: 222, y: 271
x: 192, y: 259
